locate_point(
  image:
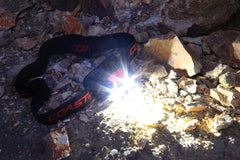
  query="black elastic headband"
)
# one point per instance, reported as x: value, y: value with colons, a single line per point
x: 27, y: 85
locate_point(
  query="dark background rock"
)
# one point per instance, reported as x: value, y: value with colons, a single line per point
x: 192, y: 18
x: 101, y: 8
x: 65, y: 5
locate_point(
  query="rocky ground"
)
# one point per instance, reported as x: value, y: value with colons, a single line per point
x: 185, y: 105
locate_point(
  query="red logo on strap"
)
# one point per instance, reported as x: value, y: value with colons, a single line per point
x: 133, y: 49
x: 25, y: 92
x: 80, y: 47
x: 72, y: 106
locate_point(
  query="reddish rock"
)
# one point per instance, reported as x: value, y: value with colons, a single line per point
x: 7, y: 20
x: 57, y: 144
x: 73, y: 25
x: 147, y: 1
x: 25, y: 43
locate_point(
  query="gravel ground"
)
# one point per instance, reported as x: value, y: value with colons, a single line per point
x: 90, y: 136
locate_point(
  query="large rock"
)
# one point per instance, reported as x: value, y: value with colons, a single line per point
x: 169, y: 49
x: 7, y: 19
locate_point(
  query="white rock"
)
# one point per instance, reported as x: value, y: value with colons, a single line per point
x: 221, y: 121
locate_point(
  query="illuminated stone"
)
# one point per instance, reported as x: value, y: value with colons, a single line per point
x: 161, y: 88
x: 172, y: 87
x: 169, y: 49
x: 172, y: 75
x: 159, y: 150
x: 237, y: 119
x: 141, y: 142
x: 221, y: 121
x: 154, y: 79
x: 227, y: 97
x: 183, y: 93
x: 158, y: 71
x: 218, y: 107
x: 57, y: 144
x: 179, y: 108
x: 188, y: 85
x: 195, y: 106
x: 189, y: 124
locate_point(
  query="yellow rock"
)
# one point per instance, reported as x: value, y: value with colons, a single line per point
x: 179, y: 108
x: 190, y: 124
x: 147, y: 1
x: 195, y: 106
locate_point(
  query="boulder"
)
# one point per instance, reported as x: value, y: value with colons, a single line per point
x: 168, y: 49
